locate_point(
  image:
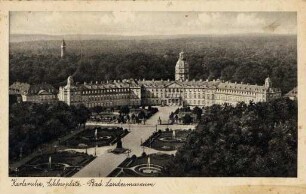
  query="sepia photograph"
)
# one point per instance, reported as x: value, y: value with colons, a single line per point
x: 152, y: 94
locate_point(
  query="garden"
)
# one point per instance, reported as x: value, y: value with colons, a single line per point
x: 56, y: 164
x: 96, y: 136
x: 167, y: 140
x: 144, y: 166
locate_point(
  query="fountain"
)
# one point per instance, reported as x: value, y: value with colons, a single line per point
x: 149, y: 162
x: 171, y: 138
x: 148, y: 169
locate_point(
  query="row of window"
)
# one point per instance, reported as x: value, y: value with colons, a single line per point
x: 106, y: 91
x: 90, y: 105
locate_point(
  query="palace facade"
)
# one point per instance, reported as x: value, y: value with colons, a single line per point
x: 181, y: 91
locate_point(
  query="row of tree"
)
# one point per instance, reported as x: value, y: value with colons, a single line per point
x: 255, y: 140
x: 226, y: 58
x: 32, y: 125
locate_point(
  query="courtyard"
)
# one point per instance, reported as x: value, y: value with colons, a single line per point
x: 106, y: 162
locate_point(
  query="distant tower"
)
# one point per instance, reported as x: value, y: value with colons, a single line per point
x: 181, y: 68
x: 63, y: 49
x: 268, y: 83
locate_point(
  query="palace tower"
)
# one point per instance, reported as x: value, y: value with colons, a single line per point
x: 181, y: 68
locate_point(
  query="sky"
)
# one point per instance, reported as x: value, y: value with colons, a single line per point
x: 152, y: 23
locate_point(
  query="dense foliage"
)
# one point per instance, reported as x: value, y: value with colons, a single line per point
x: 34, y: 124
x: 247, y: 140
x: 228, y: 58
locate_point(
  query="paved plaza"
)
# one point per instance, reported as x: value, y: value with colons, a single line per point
x: 106, y: 162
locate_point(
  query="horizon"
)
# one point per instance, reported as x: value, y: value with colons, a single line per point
x: 152, y: 23
x: 15, y: 38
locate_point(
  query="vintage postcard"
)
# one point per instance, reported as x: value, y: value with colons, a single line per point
x: 153, y: 97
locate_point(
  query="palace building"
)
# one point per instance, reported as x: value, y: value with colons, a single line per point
x: 36, y: 93
x: 105, y: 94
x: 181, y: 91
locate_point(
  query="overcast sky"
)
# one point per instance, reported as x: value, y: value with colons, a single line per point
x: 152, y: 23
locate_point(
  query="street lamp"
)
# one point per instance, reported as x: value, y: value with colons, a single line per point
x: 96, y: 150
x: 55, y: 148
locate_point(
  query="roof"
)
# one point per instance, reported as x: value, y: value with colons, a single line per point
x: 34, y: 89
x: 108, y: 85
x: 292, y: 93
x: 241, y: 87
x: 178, y: 84
x: 205, y: 84
x: 39, y: 88
x: 19, y: 87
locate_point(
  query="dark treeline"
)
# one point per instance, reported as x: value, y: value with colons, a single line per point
x: 32, y: 125
x: 256, y: 140
x: 240, y: 58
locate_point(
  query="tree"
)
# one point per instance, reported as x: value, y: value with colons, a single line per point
x: 124, y: 110
x: 245, y: 141
x: 198, y: 111
x: 187, y: 119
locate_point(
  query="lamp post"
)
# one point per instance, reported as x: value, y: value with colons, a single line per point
x: 55, y: 148
x: 96, y: 150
